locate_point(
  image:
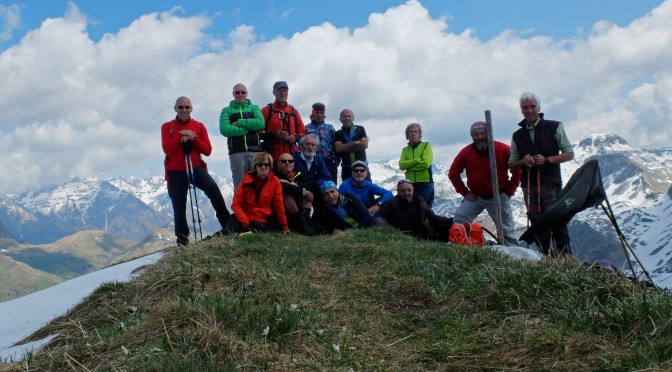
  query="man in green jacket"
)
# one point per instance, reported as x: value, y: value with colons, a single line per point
x: 241, y: 122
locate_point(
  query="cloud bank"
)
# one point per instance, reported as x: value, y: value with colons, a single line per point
x: 78, y: 107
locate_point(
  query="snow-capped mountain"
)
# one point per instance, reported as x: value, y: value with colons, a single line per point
x: 90, y: 204
x: 637, y: 183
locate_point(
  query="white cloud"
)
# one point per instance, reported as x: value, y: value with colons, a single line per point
x: 10, y: 20
x: 89, y: 108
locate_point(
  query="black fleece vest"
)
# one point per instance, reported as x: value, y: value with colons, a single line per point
x: 544, y: 144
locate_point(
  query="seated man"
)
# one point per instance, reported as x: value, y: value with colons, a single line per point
x: 409, y: 213
x: 364, y: 189
x: 342, y: 211
x: 295, y: 194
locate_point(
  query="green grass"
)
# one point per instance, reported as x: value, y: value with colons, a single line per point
x: 364, y: 300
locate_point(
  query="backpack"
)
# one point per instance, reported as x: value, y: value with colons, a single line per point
x: 469, y: 234
x: 266, y: 144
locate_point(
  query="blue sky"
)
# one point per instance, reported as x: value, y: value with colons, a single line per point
x: 89, y: 88
x: 558, y: 19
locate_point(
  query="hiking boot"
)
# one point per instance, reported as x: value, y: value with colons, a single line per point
x: 306, y: 225
x: 182, y: 242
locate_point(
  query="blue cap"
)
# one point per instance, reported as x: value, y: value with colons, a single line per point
x: 327, y: 185
x: 280, y: 84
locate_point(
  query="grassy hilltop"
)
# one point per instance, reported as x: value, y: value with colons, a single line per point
x: 366, y: 300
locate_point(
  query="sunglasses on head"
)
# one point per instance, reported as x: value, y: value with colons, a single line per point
x: 290, y: 161
x: 401, y: 182
x: 263, y: 165
x: 240, y: 92
x: 184, y: 107
x: 358, y: 170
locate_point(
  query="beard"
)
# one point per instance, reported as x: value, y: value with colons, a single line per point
x: 308, y: 154
x: 481, y: 145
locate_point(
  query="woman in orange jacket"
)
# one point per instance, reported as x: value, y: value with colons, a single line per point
x: 257, y: 198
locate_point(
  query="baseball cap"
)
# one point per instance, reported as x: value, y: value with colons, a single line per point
x: 359, y: 164
x: 280, y: 84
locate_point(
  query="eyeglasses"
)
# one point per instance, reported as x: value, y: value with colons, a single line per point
x: 184, y: 107
x: 403, y: 181
x: 290, y: 161
x: 359, y: 170
x: 259, y: 165
x: 240, y: 92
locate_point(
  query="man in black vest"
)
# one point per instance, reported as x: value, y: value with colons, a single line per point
x: 538, y: 147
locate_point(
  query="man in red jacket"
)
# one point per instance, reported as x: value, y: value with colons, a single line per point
x: 180, y: 138
x: 478, y: 190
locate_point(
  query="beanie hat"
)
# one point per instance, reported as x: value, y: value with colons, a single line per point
x: 327, y: 185
x: 476, y: 125
x: 318, y: 106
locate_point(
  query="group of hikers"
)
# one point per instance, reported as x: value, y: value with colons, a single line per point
x: 285, y: 173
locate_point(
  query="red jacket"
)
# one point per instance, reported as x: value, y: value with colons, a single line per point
x: 170, y: 140
x: 295, y: 127
x: 256, y: 201
x: 478, y: 171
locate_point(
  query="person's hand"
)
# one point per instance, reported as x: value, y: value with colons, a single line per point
x: 539, y: 159
x: 281, y: 134
x: 470, y: 196
x: 374, y: 209
x: 291, y: 138
x: 285, y: 181
x: 309, y: 195
x: 190, y: 134
x: 528, y: 160
x: 235, y: 123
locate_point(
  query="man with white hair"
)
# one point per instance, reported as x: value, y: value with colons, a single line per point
x: 538, y: 148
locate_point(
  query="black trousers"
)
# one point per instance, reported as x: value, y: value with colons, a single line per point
x: 178, y: 185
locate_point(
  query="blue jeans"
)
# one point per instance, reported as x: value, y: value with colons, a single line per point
x: 178, y: 185
x: 468, y: 211
x: 426, y: 191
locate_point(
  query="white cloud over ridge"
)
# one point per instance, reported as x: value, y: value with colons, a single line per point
x: 76, y: 107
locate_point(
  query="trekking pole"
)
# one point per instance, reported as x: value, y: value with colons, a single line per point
x: 191, y: 198
x: 198, y: 212
x: 624, y: 243
x: 527, y: 200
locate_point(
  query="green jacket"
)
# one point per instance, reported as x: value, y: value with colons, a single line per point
x: 244, y: 135
x: 417, y: 161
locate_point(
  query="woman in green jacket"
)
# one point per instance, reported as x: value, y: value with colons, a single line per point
x: 416, y: 160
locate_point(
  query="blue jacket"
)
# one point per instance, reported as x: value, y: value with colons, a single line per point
x: 367, y: 192
x: 317, y: 174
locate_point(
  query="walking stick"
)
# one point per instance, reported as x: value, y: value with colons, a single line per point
x: 192, y: 182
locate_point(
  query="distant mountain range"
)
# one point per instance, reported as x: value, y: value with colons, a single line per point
x: 139, y: 213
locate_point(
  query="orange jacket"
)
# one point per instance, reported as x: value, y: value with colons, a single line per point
x: 292, y: 124
x: 255, y: 200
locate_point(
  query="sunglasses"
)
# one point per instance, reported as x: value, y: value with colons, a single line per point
x: 184, y: 107
x: 359, y: 170
x: 263, y: 165
x: 401, y: 182
x: 290, y: 161
x: 240, y: 92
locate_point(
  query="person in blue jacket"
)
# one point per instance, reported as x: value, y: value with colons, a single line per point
x: 372, y: 195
